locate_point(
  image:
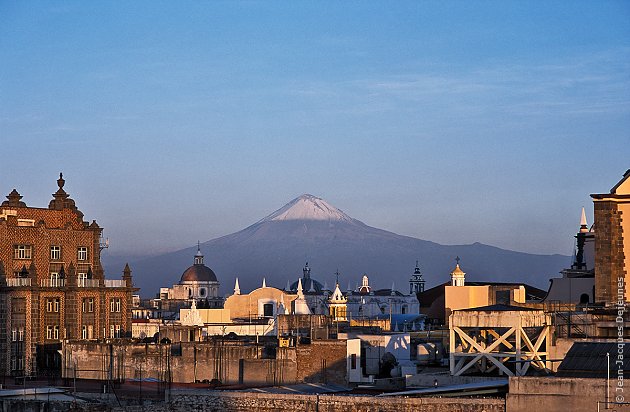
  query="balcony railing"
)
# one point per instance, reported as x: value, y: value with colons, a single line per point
x: 115, y: 283
x: 14, y: 282
x: 88, y: 283
x: 52, y: 283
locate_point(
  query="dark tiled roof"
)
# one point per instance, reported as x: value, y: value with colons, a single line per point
x: 588, y: 360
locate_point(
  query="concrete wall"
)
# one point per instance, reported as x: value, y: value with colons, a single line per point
x: 557, y: 394
x: 465, y: 297
x: 230, y: 362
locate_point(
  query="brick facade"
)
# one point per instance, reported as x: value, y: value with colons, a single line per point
x: 52, y: 285
x: 612, y: 248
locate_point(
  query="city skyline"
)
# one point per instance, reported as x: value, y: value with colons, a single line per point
x: 453, y: 123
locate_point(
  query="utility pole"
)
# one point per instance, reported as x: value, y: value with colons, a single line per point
x: 607, y: 378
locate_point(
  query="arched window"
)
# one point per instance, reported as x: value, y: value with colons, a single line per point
x: 584, y: 298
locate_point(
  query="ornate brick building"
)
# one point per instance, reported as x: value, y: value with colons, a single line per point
x: 612, y: 243
x: 52, y: 285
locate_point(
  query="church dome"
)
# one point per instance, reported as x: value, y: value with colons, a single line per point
x: 198, y: 272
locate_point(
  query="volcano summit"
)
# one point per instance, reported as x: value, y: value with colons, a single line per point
x: 309, y: 228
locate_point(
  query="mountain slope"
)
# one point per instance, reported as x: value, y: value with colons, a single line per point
x: 310, y: 229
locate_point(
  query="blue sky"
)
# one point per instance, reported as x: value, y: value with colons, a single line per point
x: 458, y: 122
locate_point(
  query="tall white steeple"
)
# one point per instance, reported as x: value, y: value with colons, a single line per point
x: 237, y: 289
x: 300, y: 306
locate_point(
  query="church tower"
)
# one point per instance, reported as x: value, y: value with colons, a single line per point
x: 457, y: 275
x: 416, y: 282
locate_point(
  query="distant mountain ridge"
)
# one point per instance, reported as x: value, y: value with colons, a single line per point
x: 310, y: 229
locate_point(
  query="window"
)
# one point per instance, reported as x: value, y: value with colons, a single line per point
x: 202, y: 292
x: 17, y: 363
x: 54, y: 279
x: 22, y: 251
x: 82, y: 253
x: 21, y: 334
x: 55, y: 253
x: 56, y: 332
x: 114, y: 305
x: 52, y: 305
x: 84, y: 334
x: 268, y: 309
x: 87, y: 305
x: 90, y: 332
x: 82, y: 277
x: 49, y: 332
x: 353, y: 361
x: 117, y: 334
x: 111, y: 331
x: 14, y: 335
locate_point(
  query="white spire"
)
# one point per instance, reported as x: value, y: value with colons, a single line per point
x: 264, y: 285
x: 282, y: 309
x: 583, y: 224
x: 301, y: 307
x: 237, y: 289
x: 393, y: 289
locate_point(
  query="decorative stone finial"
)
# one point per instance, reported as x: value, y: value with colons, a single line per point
x: 14, y: 200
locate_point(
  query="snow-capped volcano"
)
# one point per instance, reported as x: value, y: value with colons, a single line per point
x: 308, y: 207
x: 310, y: 229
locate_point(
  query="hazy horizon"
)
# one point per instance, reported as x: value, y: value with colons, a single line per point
x: 457, y: 123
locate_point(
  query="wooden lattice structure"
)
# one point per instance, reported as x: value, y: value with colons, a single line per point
x: 507, y: 340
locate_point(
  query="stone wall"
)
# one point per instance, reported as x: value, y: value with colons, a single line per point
x: 239, y: 401
x: 248, y: 402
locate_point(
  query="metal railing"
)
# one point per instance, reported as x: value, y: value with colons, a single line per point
x: 88, y: 283
x: 115, y: 283
x: 52, y: 283
x: 15, y: 282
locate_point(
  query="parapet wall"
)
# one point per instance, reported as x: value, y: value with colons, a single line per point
x: 241, y: 402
